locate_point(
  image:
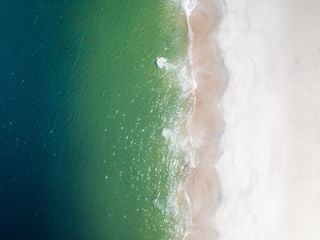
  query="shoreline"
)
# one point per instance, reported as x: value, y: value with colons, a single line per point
x: 201, y: 185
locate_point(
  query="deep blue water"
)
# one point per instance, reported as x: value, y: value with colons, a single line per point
x: 37, y: 191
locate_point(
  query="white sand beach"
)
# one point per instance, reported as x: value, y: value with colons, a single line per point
x: 261, y: 179
x: 270, y: 167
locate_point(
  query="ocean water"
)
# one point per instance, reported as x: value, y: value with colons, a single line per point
x: 88, y: 122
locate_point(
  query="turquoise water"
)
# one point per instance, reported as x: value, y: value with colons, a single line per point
x: 83, y: 110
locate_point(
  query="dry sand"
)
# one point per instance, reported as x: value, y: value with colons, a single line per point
x: 270, y: 167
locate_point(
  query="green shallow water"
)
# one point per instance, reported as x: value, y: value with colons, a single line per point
x: 123, y: 103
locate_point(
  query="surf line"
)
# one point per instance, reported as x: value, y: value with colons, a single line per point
x: 205, y: 81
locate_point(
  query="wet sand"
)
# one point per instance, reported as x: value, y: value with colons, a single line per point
x: 206, y: 126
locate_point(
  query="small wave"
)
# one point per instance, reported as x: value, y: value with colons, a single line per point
x: 162, y: 63
x: 182, y: 73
